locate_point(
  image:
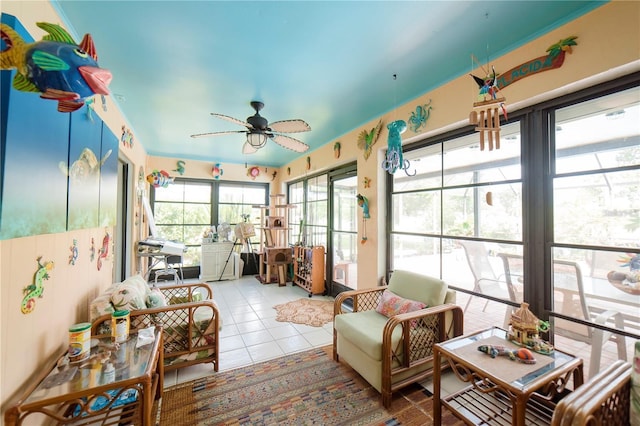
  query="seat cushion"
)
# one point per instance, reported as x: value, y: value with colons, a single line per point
x: 364, y: 330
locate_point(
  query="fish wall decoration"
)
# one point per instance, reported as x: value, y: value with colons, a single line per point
x: 159, y: 178
x: 216, y: 171
x: 56, y: 67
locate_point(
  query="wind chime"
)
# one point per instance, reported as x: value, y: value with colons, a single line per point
x: 486, y: 112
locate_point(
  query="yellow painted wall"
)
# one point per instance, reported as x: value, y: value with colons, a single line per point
x: 608, y: 46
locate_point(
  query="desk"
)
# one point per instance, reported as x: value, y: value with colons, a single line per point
x: 81, y: 393
x: 501, y: 391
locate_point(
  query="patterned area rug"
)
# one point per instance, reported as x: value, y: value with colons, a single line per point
x: 311, y: 312
x: 307, y: 388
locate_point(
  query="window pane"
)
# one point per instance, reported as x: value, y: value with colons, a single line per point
x: 601, y: 208
x: 600, y: 133
x: 296, y: 197
x: 592, y: 283
x: 242, y: 194
x: 317, y: 188
x: 197, y: 213
x: 486, y: 268
x: 184, y: 191
x: 417, y: 212
x: 417, y: 254
x: 296, y: 193
x: 427, y: 164
x: 498, y: 214
x: 230, y: 213
x: 345, y: 254
x: 316, y: 235
x: 345, y: 204
x: 464, y: 163
x: 317, y: 213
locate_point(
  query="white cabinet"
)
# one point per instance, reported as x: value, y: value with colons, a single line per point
x: 213, y: 257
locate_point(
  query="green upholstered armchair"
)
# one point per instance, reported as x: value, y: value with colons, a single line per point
x: 391, y: 352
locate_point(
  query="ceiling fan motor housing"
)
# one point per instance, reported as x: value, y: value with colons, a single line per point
x: 257, y: 121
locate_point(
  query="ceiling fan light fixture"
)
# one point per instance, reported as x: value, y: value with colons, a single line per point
x: 256, y: 140
x: 248, y: 149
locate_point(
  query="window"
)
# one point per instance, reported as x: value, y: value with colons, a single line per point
x: 296, y: 214
x: 596, y: 215
x: 185, y: 209
x: 459, y: 199
x: 551, y: 218
x: 309, y: 219
x: 316, y: 211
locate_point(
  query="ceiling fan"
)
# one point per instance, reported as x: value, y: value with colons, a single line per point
x: 259, y: 130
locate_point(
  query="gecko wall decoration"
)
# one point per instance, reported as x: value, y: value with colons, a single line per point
x: 36, y: 289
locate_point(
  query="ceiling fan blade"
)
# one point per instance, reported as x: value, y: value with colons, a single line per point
x: 226, y: 132
x: 290, y: 126
x: 248, y: 149
x: 233, y: 120
x: 290, y: 143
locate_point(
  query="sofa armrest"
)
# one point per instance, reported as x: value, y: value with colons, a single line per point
x: 185, y: 292
x: 189, y: 328
x: 362, y: 300
x: 604, y: 399
x: 420, y: 331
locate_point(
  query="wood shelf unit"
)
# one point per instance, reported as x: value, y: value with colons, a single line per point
x: 275, y: 253
x: 309, y: 269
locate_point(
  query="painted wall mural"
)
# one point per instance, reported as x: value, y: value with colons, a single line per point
x: 83, y: 172
x: 49, y: 157
x: 108, y: 206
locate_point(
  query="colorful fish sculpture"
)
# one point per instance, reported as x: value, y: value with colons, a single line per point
x: 159, y: 178
x: 56, y: 67
x: 217, y: 171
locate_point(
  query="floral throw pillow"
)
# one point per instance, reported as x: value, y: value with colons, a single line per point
x: 391, y: 304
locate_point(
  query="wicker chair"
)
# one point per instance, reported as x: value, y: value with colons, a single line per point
x: 603, y: 400
x: 191, y: 324
x: 393, y: 352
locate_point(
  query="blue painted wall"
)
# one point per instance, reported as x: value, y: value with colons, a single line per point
x: 58, y: 170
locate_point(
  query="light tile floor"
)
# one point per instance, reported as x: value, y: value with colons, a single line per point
x: 250, y: 332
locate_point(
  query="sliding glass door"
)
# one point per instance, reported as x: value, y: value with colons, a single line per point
x: 342, y: 253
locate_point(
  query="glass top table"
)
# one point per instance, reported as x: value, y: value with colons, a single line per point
x: 86, y: 389
x: 500, y: 390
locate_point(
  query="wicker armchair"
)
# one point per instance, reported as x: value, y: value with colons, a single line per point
x: 396, y: 351
x: 190, y: 321
x: 603, y: 400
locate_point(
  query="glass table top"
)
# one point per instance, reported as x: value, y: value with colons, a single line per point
x: 128, y: 362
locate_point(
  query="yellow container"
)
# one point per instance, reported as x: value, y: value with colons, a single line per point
x: 79, y: 341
